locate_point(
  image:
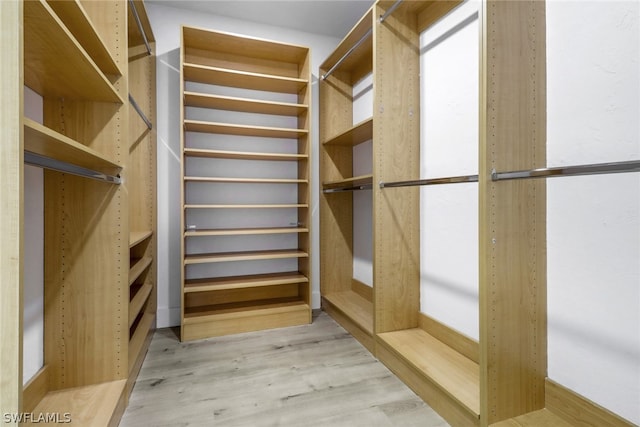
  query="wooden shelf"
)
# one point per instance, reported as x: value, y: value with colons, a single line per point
x: 242, y: 282
x: 207, y: 313
x: 138, y: 301
x: 245, y: 231
x: 242, y: 79
x: 454, y: 374
x: 137, y: 237
x: 55, y: 63
x: 41, y: 140
x: 133, y: 33
x: 358, y: 134
x: 137, y: 340
x: 240, y: 155
x: 355, y: 181
x: 89, y: 406
x: 137, y: 267
x: 355, y: 307
x: 79, y: 24
x: 244, y: 256
x: 245, y: 180
x: 219, y: 42
x: 202, y: 100
x: 265, y: 206
x: 242, y: 130
x: 361, y: 59
x: 543, y: 417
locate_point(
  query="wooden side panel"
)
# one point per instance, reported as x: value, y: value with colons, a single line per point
x: 336, y: 209
x: 396, y: 155
x: 512, y: 213
x: 304, y: 172
x: 11, y: 206
x: 87, y: 234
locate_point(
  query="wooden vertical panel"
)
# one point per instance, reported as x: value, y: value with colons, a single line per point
x: 336, y: 209
x: 512, y: 213
x: 183, y: 184
x: 87, y: 234
x: 11, y: 207
x: 304, y: 172
x: 396, y: 156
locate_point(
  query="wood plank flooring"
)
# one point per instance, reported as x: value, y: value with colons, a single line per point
x: 311, y: 375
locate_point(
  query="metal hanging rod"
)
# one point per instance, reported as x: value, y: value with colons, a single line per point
x: 139, y: 110
x: 431, y: 181
x: 346, y: 55
x: 390, y: 11
x: 139, y: 23
x: 592, y: 169
x: 343, y: 189
x: 60, y: 166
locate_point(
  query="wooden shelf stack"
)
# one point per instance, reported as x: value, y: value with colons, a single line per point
x: 234, y: 77
x: 500, y: 379
x: 75, y: 57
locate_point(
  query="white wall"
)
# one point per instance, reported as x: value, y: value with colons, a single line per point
x: 166, y: 23
x: 449, y: 66
x: 593, y: 222
x: 33, y: 335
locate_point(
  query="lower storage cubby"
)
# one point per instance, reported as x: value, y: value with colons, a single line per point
x: 354, y: 313
x: 447, y: 380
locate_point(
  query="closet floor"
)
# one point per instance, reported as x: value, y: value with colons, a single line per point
x: 311, y: 375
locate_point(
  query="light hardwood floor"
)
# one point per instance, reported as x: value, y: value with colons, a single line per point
x: 311, y: 375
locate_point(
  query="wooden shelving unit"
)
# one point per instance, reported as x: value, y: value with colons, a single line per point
x: 216, y: 302
x: 339, y: 136
x: 92, y: 228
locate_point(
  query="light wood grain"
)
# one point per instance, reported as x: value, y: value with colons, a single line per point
x: 358, y: 134
x: 230, y: 129
x: 241, y: 282
x: 513, y: 326
x: 243, y: 256
x: 134, y: 36
x: 12, y: 211
x: 46, y: 41
x: 244, y: 180
x: 461, y: 343
x: 203, y: 100
x: 137, y: 237
x: 242, y: 79
x: 577, y: 410
x: 304, y: 375
x: 457, y: 376
x: 138, y: 301
x: 355, y: 307
x: 348, y: 182
x: 241, y: 155
x: 253, y: 206
x: 245, y: 231
x: 35, y: 389
x: 43, y: 141
x: 74, y: 17
x: 138, y: 266
x: 88, y: 406
x: 539, y: 418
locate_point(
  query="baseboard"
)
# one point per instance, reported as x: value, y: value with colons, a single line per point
x: 578, y: 410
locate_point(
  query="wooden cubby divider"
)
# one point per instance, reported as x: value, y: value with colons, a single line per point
x: 259, y: 71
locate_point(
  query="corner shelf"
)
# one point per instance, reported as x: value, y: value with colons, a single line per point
x: 46, y: 40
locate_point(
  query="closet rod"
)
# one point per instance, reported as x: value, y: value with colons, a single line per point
x: 346, y: 55
x: 139, y: 23
x: 140, y: 113
x: 343, y: 189
x: 431, y: 181
x: 60, y: 166
x: 390, y: 11
x: 592, y: 169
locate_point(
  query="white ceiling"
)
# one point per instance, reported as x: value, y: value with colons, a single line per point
x: 330, y: 18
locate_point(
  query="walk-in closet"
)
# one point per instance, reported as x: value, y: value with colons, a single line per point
x: 322, y: 213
